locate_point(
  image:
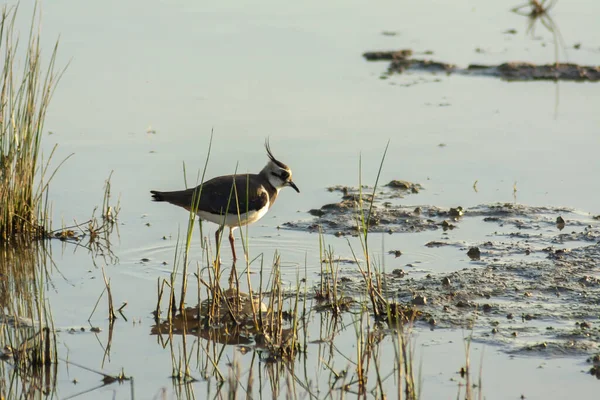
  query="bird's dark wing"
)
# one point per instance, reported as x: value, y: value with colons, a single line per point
x: 217, y: 195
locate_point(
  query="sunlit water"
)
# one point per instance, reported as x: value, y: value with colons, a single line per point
x: 148, y: 81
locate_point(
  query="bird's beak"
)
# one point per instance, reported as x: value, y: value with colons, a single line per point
x: 292, y: 184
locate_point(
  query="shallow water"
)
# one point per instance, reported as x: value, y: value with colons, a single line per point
x: 296, y: 74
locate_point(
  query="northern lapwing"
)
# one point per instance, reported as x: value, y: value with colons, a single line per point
x: 234, y: 200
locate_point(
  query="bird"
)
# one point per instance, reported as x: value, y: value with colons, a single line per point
x: 233, y: 200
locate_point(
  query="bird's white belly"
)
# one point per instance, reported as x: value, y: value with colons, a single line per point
x: 232, y: 220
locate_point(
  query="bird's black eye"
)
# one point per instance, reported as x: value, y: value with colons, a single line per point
x: 285, y: 175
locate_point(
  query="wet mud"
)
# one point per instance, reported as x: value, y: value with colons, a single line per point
x: 341, y: 218
x: 530, y: 284
x: 403, y: 60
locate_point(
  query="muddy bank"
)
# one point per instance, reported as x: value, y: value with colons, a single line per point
x: 340, y: 218
x: 531, y: 283
x: 402, y: 61
x: 385, y: 214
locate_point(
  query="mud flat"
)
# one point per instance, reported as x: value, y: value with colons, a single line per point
x: 403, y: 60
x: 530, y: 284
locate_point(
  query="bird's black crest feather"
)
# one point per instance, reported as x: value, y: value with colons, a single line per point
x: 272, y: 158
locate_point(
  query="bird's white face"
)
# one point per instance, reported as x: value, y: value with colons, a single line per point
x: 280, y: 177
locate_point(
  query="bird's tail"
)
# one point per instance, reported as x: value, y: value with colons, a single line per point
x: 157, y: 196
x: 181, y: 198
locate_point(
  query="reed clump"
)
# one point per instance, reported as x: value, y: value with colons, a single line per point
x: 26, y: 87
x: 232, y: 316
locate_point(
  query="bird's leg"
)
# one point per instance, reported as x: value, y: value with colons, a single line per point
x: 231, y: 240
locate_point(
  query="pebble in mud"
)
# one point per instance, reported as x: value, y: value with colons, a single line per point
x: 446, y: 281
x: 419, y: 300
x: 594, y: 359
x: 447, y: 225
x: 456, y: 212
x: 595, y: 371
x: 399, y: 273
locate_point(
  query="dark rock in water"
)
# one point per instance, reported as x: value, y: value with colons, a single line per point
x: 474, y: 253
x: 399, y: 184
x: 316, y: 213
x: 491, y: 219
x: 436, y: 244
x: 396, y: 253
x: 387, y: 55
x: 560, y: 223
